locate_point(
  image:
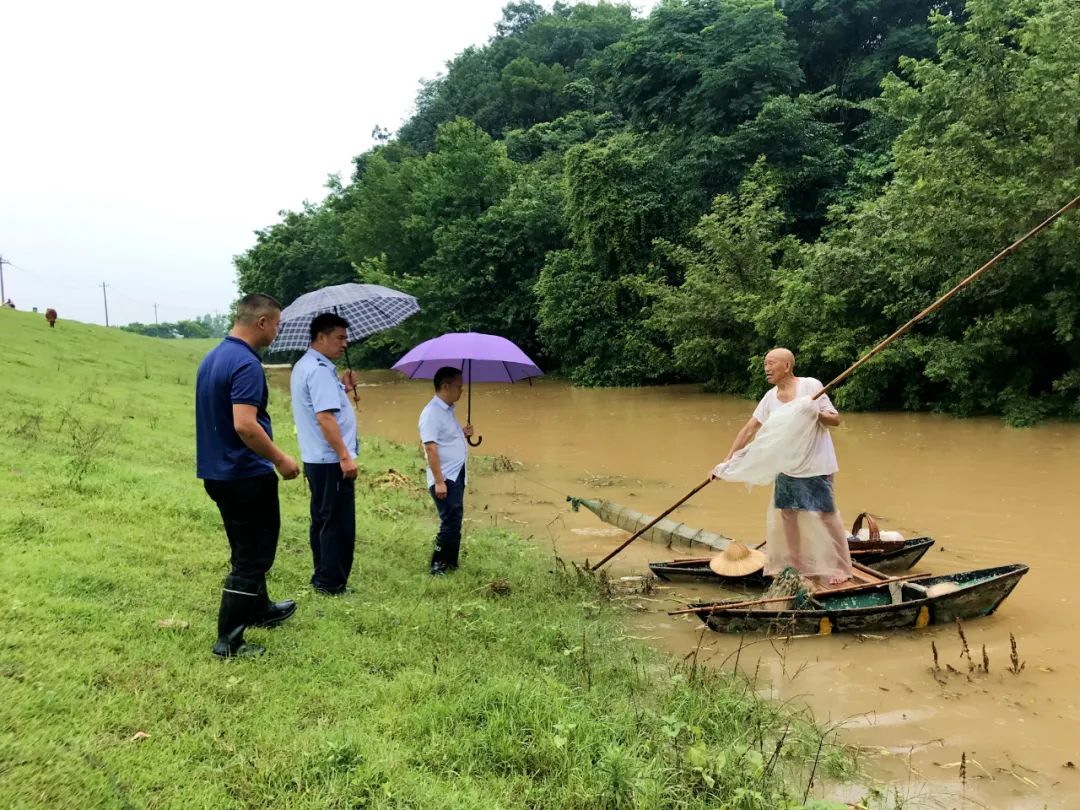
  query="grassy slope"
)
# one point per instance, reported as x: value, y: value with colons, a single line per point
x: 409, y: 692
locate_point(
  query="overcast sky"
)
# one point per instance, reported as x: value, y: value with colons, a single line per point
x: 141, y: 143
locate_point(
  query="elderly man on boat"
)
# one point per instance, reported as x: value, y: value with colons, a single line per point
x: 804, y: 529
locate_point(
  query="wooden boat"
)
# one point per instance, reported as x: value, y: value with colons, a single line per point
x: 901, y: 558
x: 877, y: 607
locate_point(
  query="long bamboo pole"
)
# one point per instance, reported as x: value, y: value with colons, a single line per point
x: 655, y: 520
x: 851, y: 370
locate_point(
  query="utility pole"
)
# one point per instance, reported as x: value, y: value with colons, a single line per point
x: 105, y: 296
x: 155, y: 315
x: 3, y: 298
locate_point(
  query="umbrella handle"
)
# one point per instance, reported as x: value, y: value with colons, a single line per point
x: 468, y: 418
x: 348, y: 364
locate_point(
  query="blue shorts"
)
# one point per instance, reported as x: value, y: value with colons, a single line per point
x: 814, y: 494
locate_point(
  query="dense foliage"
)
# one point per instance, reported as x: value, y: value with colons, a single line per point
x: 645, y: 200
x: 204, y: 326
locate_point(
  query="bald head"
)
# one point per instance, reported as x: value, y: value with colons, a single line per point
x: 782, y: 355
x: 779, y: 365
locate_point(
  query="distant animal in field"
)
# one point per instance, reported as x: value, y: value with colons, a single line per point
x: 50, y: 316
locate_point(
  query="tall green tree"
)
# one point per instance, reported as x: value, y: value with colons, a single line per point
x: 595, y: 297
x: 989, y: 147
x: 463, y: 228
x: 850, y: 45
x: 801, y: 141
x: 729, y: 264
x: 702, y: 66
x: 301, y: 253
x: 520, y: 77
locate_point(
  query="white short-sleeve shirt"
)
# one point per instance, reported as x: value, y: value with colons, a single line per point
x: 823, y: 461
x: 439, y: 424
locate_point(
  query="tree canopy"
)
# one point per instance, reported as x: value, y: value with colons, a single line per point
x: 640, y: 200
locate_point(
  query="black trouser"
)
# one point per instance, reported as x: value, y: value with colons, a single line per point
x: 333, y: 525
x: 249, y: 509
x: 451, y: 509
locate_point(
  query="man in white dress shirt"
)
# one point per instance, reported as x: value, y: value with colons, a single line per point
x: 447, y: 451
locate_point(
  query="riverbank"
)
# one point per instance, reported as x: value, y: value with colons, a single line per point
x: 510, y: 684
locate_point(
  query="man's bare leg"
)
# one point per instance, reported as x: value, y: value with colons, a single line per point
x: 790, y: 518
x: 838, y: 534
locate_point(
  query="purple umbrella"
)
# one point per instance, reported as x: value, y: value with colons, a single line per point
x: 484, y: 358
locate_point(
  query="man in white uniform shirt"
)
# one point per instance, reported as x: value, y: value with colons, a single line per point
x: 326, y: 429
x: 447, y: 451
x: 809, y: 535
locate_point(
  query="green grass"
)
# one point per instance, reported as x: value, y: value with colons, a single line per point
x: 408, y: 692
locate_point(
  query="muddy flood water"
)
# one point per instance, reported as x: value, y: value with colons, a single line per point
x: 988, y: 494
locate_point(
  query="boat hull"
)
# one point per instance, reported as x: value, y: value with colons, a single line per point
x: 979, y: 594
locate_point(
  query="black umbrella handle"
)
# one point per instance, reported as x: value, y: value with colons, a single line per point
x: 468, y: 415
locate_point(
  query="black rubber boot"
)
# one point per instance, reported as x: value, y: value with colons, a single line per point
x: 445, y: 557
x: 268, y: 613
x: 239, y: 600
x: 439, y: 564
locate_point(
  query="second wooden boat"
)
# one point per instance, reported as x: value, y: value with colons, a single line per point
x: 905, y: 556
x: 881, y: 555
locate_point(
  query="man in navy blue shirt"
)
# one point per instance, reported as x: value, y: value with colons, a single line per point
x: 236, y: 459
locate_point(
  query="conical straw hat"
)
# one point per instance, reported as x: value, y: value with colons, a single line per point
x: 737, y: 560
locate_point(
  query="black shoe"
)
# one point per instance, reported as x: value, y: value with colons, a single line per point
x: 274, y: 613
x: 268, y: 613
x: 234, y: 646
x: 440, y: 570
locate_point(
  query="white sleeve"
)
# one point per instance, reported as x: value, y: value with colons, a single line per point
x: 824, y: 403
x: 429, y: 427
x: 761, y: 411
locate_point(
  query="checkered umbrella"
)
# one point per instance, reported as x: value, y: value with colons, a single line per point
x: 369, y: 308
